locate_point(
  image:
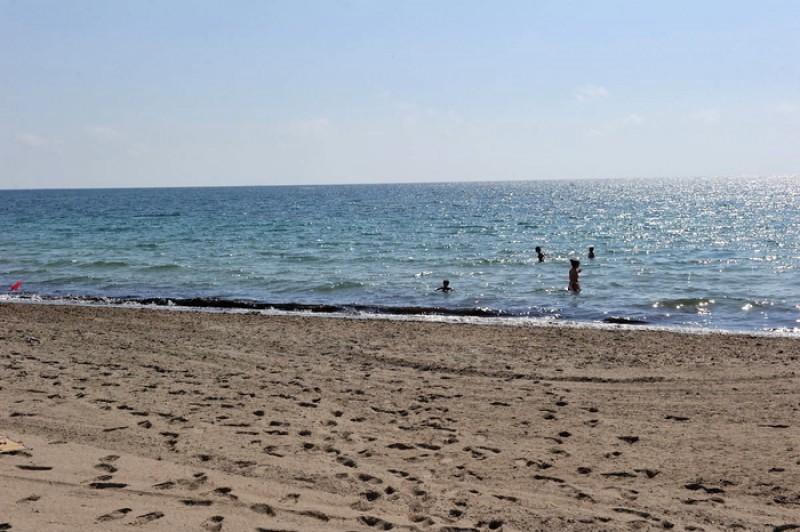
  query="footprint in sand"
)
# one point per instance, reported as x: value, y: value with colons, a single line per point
x: 372, y: 495
x: 146, y: 518
x: 225, y: 492
x: 34, y: 468
x: 107, y: 468
x: 421, y: 520
x: 347, y: 462
x: 112, y: 516
x: 171, y: 438
x: 315, y: 514
x: 264, y: 509
x: 196, y: 502
x: 213, y: 523
x: 694, y: 486
x: 376, y: 522
x: 548, y: 479
x: 676, y: 418
x: 369, y: 479
x: 193, y: 483
x: 107, y: 485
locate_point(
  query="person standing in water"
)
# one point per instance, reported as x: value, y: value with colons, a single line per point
x: 591, y: 252
x: 574, y: 272
x: 539, y: 254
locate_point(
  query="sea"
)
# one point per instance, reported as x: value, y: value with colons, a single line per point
x: 719, y: 254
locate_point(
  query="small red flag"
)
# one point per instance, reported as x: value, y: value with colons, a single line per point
x: 16, y: 285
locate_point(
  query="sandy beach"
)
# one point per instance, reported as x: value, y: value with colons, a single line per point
x: 157, y: 420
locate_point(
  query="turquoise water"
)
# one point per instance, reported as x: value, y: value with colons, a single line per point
x: 710, y: 253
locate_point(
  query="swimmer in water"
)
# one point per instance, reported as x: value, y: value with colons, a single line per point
x: 445, y: 286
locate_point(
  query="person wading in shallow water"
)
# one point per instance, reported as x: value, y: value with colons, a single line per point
x: 539, y: 254
x: 574, y: 273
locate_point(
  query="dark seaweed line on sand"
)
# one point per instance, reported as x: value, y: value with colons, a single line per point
x: 351, y: 309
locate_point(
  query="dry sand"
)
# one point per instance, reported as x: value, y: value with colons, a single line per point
x: 161, y: 421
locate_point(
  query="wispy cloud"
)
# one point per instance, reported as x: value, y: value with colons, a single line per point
x: 589, y: 93
x: 634, y: 119
x: 33, y: 141
x: 414, y: 117
x: 103, y: 133
x: 615, y: 126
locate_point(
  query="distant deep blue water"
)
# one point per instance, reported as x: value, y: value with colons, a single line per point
x: 704, y: 253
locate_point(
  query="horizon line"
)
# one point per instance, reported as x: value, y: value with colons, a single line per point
x: 433, y: 182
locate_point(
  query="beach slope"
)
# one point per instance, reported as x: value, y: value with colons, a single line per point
x: 163, y: 421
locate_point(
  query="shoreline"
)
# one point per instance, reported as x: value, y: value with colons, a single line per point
x: 242, y: 421
x: 409, y: 314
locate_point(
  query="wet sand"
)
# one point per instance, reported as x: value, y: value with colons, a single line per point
x: 161, y: 421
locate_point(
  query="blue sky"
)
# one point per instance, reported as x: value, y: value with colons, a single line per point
x: 97, y: 93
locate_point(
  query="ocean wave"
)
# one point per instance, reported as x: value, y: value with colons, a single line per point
x: 158, y: 215
x: 764, y: 303
x: 162, y: 267
x: 59, y: 263
x: 101, y: 264
x: 336, y: 286
x: 685, y: 304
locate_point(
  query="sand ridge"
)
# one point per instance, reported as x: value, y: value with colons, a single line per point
x: 180, y: 420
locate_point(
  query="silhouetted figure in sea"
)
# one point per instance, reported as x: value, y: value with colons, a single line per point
x: 539, y: 254
x: 591, y: 252
x: 445, y: 286
x: 574, y: 272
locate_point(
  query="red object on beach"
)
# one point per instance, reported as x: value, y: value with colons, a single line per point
x: 16, y: 286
